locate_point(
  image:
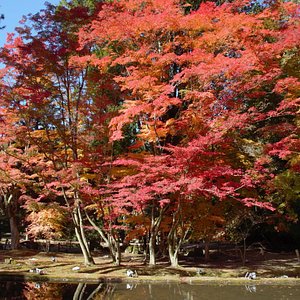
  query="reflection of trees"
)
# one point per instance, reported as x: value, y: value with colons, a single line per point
x: 10, y: 290
x: 102, y: 291
x: 45, y: 290
x: 35, y: 290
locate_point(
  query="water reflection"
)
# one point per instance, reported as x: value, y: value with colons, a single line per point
x: 132, y: 291
x: 251, y: 288
x: 102, y: 291
x: 37, y: 290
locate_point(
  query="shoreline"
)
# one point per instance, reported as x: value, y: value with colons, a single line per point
x: 199, y: 280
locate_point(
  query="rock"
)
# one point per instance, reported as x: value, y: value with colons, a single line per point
x: 200, y: 271
x: 8, y: 261
x: 76, y: 268
x: 131, y: 273
x: 37, y: 271
x: 250, y: 275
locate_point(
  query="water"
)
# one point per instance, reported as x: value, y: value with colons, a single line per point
x: 123, y: 291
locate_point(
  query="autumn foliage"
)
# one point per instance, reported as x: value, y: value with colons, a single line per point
x: 158, y: 119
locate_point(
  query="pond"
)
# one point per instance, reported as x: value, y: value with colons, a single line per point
x: 164, y: 291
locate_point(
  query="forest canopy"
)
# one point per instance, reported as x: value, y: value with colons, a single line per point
x: 165, y: 121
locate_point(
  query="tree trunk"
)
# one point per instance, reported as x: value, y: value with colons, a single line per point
x: 173, y: 255
x: 146, y: 247
x: 47, y: 246
x: 155, y: 224
x: 110, y: 240
x: 174, y: 240
x: 152, y: 257
x: 206, y: 249
x: 15, y: 234
x: 88, y: 259
x: 80, y: 234
x: 115, y: 251
x: 243, y: 252
x: 174, y: 244
x: 10, y: 207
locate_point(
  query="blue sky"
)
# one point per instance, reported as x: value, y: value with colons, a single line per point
x: 13, y: 11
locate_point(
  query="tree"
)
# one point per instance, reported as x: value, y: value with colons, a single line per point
x: 141, y: 111
x: 197, y: 87
x: 90, y: 4
x: 10, y: 180
x: 15, y: 180
x: 59, y: 109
